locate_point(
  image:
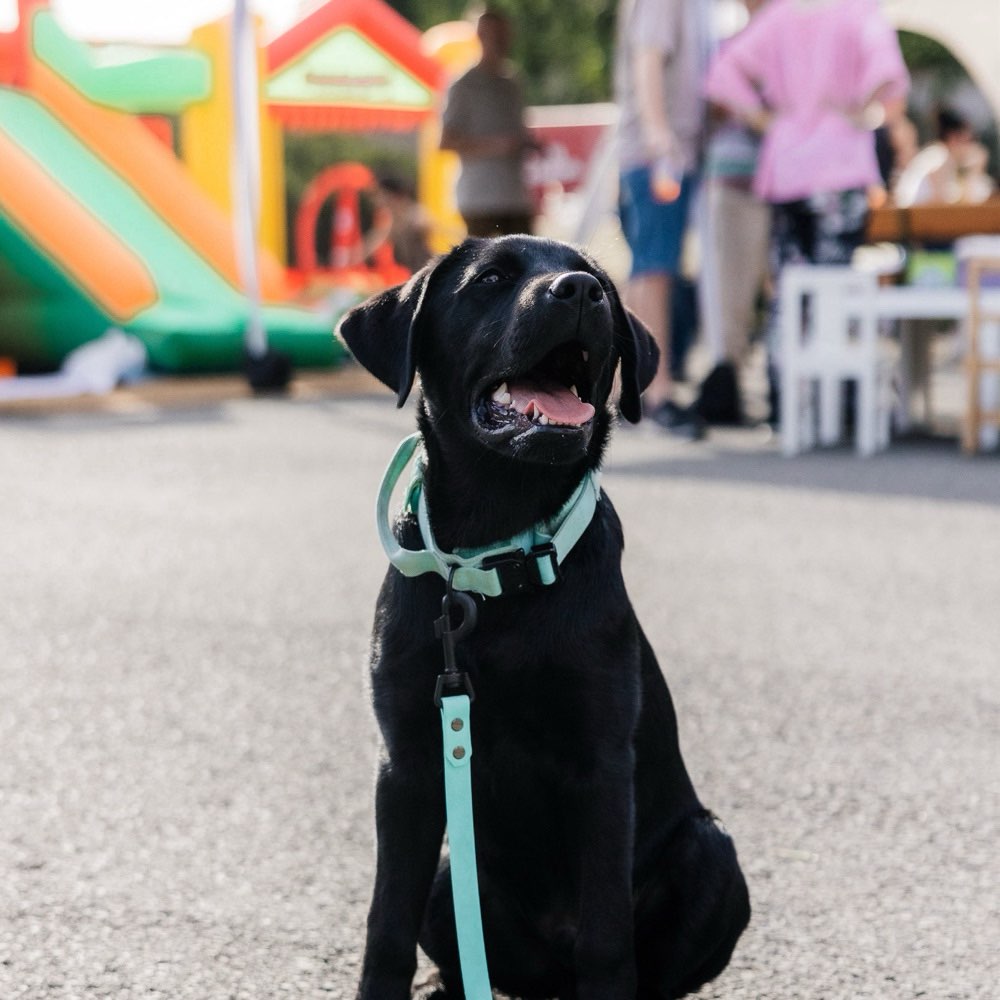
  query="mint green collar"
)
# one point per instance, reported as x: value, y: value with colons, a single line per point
x: 530, y: 558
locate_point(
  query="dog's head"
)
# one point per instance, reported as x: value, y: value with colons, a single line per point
x: 516, y: 342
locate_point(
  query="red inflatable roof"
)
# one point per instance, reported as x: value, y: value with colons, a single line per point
x: 352, y: 65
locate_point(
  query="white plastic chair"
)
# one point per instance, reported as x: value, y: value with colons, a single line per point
x: 829, y: 334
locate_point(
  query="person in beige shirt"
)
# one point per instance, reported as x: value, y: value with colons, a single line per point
x: 483, y: 122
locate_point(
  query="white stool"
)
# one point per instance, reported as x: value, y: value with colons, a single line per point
x: 829, y: 333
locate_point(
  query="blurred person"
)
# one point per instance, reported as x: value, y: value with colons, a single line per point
x: 662, y: 50
x: 816, y: 78
x: 483, y: 122
x: 951, y: 170
x: 408, y: 225
x: 737, y: 226
x: 896, y: 145
x: 905, y: 144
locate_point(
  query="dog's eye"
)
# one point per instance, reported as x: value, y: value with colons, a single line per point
x: 490, y: 276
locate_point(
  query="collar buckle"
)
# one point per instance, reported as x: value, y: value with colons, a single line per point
x: 519, y: 571
x: 512, y: 571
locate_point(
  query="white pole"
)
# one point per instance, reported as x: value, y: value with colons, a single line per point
x: 245, y: 170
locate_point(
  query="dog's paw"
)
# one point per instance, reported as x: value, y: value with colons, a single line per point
x: 429, y: 987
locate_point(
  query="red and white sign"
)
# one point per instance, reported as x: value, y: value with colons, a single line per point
x: 569, y: 136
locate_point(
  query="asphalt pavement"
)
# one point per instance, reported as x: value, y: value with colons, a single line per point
x: 187, y: 750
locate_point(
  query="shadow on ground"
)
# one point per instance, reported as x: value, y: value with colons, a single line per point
x: 926, y: 468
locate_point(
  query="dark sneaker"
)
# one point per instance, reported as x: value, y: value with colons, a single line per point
x: 680, y: 420
x: 719, y: 400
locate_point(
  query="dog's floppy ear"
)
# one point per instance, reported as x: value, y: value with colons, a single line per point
x: 640, y: 357
x: 382, y: 332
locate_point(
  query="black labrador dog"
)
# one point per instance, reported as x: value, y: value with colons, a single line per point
x: 602, y: 875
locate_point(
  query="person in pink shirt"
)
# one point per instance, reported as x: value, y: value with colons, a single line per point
x: 816, y: 77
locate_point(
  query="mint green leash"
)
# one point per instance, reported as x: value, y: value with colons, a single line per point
x: 462, y: 846
x: 457, y: 742
x: 531, y: 558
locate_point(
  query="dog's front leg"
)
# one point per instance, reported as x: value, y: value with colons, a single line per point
x: 604, y: 956
x: 410, y: 821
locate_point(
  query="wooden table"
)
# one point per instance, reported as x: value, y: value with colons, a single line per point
x: 933, y: 223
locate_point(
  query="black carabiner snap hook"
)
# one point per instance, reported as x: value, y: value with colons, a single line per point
x: 446, y: 632
x: 449, y: 636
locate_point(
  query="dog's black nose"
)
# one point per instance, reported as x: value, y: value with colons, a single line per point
x: 576, y: 285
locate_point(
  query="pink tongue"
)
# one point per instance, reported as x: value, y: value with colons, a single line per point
x: 557, y: 402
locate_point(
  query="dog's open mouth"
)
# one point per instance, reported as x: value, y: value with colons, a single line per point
x: 555, y: 393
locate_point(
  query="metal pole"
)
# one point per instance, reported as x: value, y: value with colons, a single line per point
x: 245, y: 166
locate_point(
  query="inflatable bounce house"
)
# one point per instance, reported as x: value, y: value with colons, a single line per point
x: 103, y: 225
x: 353, y: 66
x: 117, y: 194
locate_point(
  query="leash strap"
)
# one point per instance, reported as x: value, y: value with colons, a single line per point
x: 531, y: 558
x: 457, y: 739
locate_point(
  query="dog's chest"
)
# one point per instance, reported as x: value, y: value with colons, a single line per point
x: 551, y: 700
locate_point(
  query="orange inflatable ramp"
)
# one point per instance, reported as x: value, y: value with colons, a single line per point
x: 95, y: 257
x: 163, y: 182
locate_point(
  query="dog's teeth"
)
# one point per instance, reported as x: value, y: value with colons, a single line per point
x: 573, y: 389
x: 501, y: 395
x: 586, y: 355
x: 543, y: 419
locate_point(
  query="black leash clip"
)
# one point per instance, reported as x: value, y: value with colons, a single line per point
x: 453, y: 678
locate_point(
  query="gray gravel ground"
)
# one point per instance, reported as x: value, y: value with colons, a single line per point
x: 187, y: 749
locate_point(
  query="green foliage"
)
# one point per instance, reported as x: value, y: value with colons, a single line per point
x: 426, y: 13
x: 923, y: 54
x: 564, y: 50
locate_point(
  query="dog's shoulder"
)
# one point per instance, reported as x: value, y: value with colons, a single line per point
x: 602, y: 544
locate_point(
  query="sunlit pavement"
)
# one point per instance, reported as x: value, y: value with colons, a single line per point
x: 187, y: 750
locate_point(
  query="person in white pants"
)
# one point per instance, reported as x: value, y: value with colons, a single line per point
x: 735, y: 229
